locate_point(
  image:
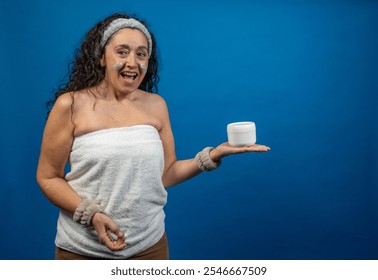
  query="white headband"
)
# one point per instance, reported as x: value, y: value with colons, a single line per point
x: 121, y: 23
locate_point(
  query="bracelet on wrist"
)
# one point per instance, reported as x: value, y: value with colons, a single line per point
x: 85, y: 212
x: 204, y: 161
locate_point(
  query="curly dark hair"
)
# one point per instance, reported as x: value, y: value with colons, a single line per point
x: 85, y: 70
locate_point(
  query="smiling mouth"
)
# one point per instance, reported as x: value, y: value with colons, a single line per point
x: 129, y: 75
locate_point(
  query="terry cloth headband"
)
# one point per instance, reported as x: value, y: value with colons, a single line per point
x: 121, y: 23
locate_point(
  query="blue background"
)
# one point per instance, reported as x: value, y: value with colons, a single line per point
x: 304, y: 71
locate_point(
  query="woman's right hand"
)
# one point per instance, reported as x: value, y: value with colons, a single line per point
x: 108, y: 232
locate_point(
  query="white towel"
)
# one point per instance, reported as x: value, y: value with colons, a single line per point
x: 122, y: 168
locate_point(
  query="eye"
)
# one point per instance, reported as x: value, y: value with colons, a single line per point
x: 122, y: 52
x: 141, y: 54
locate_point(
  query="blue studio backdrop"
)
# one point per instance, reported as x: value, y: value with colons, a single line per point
x: 304, y: 71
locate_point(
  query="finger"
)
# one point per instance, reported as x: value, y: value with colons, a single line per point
x: 121, y: 236
x: 103, y: 237
x: 265, y: 148
x: 116, y: 236
x: 108, y: 240
x: 112, y: 242
x: 114, y: 245
x: 111, y: 235
x: 261, y: 148
x: 115, y: 232
x: 258, y: 148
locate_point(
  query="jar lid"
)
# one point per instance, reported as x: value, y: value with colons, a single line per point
x: 240, y: 126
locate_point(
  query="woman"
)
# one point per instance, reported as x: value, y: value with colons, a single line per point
x: 117, y: 137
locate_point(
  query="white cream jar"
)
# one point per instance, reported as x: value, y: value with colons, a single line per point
x: 241, y: 133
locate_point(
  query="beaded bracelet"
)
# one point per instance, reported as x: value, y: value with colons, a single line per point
x: 204, y: 162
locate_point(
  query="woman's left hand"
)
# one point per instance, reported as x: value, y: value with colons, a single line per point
x: 108, y: 232
x: 226, y: 149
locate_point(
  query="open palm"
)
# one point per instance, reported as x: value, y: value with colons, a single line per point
x: 225, y: 149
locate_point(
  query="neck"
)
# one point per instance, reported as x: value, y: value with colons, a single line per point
x: 107, y: 92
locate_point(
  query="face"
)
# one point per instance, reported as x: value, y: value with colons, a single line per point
x: 126, y: 60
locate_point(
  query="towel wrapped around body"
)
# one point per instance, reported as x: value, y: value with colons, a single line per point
x: 122, y: 169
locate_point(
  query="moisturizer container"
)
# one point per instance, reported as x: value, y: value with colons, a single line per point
x: 241, y: 133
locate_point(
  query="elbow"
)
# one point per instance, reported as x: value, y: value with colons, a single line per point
x: 167, y: 183
x: 168, y: 177
x: 42, y: 180
x: 39, y: 177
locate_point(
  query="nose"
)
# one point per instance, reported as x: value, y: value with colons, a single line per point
x: 131, y: 61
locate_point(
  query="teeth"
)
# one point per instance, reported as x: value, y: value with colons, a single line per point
x: 130, y: 75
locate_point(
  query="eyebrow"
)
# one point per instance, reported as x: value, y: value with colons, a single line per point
x: 125, y: 46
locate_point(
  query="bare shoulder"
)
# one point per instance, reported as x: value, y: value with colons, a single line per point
x: 157, y: 108
x: 157, y: 103
x: 62, y: 109
x: 64, y: 102
x: 59, y: 127
x: 70, y: 102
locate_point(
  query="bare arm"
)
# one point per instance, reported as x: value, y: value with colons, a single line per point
x: 177, y: 171
x: 56, y: 146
